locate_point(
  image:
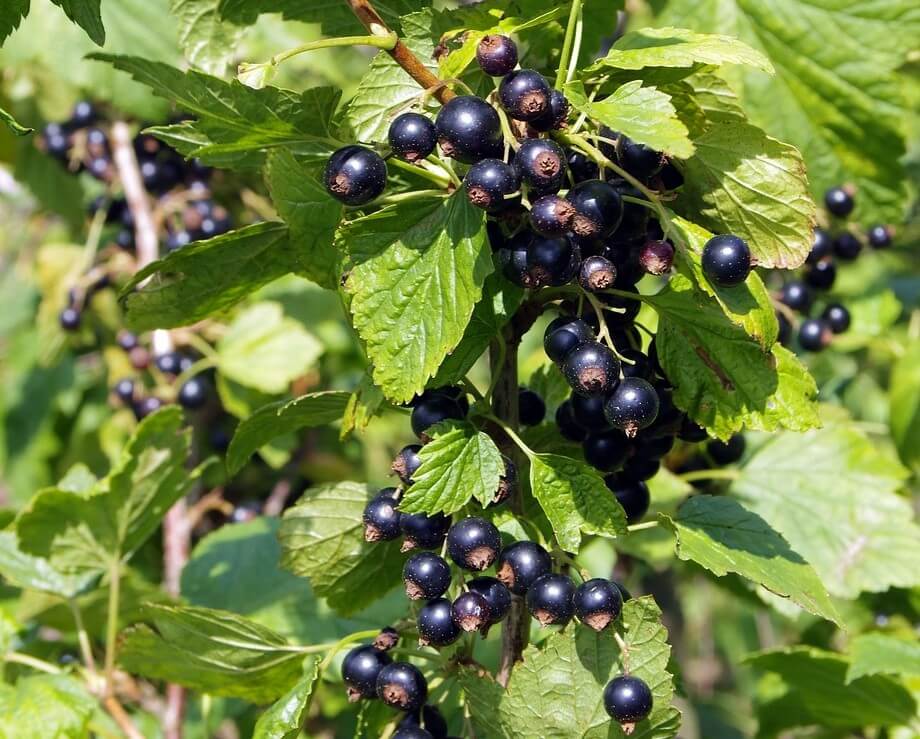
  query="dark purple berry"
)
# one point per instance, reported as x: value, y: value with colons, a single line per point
x: 628, y: 700
x: 839, y: 202
x: 588, y: 411
x: 550, y: 599
x: 821, y: 275
x: 496, y: 594
x: 436, y: 625
x: 632, y: 406
x: 147, y: 406
x: 507, y: 483
x: 555, y: 116
x: 692, y: 432
x: 880, y: 237
x: 591, y: 369
x: 426, y: 576
x: 639, y: 160
x: 531, y: 408
x: 407, y: 462
x: 597, y: 603
x: 69, y: 319
x: 580, y: 166
x: 521, y: 563
x: 124, y: 389
x: 639, y: 469
x: 551, y: 215
x: 489, y: 182
x: 784, y: 329
x: 847, y: 247
x: 632, y: 495
x: 381, y: 517
x: 726, y: 260
x: 821, y: 246
x: 814, y: 334
x: 606, y: 451
x: 360, y: 670
x: 551, y: 262
x: 412, y: 732
x: 524, y: 94
x: 386, y: 639
x: 541, y: 165
x: 355, y: 175
x: 469, y: 129
x: 797, y: 296
x: 435, y: 726
x: 194, y: 393
x: 497, y: 55
x: 402, y: 685
x: 726, y: 452
x: 433, y: 409
x: 422, y: 531
x: 596, y: 273
x: 473, y: 544
x: 471, y: 611
x: 598, y: 209
x: 568, y: 427
x: 564, y: 335
x: 837, y: 317
x: 412, y: 137
x: 634, y: 363
x: 656, y: 257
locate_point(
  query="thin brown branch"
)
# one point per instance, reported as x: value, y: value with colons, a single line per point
x: 121, y: 717
x: 278, y: 497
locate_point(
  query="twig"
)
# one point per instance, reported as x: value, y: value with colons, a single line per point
x: 276, y: 499
x: 212, y: 501
x: 121, y: 717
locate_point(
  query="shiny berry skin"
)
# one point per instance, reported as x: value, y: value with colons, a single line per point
x: 497, y: 55
x: 496, y: 594
x: 814, y: 334
x: 821, y: 275
x: 426, y: 576
x: 412, y: 732
x: 381, y: 517
x: 638, y: 365
x: 632, y: 406
x: 726, y: 260
x: 606, y: 451
x: 355, y: 175
x: 178, y: 239
x: 880, y: 237
x: 84, y: 114
x: 402, y: 685
x: 436, y: 625
x: 551, y: 215
x: 469, y: 129
x: 656, y: 257
x: 847, y: 247
x: 69, y: 319
x: 147, y: 406
x: 513, y: 259
x: 541, y: 165
x: 726, y: 452
x: 627, y: 699
x: 524, y: 94
x: 407, y: 462
x: 580, y: 166
x: 837, y: 317
x: 640, y: 161
x: 56, y: 141
x: 639, y: 469
x: 124, y: 389
x: 839, y: 202
x: 489, y: 182
x: 632, y: 495
x: 360, y: 670
x: 596, y: 273
x: 784, y: 332
x: 568, y: 427
x: 473, y: 544
x: 549, y: 599
x: 689, y: 431
x: 821, y: 246
x: 470, y: 611
x: 429, y: 717
x: 591, y: 369
x: 412, y: 136
x: 551, y: 262
x: 194, y: 393
x: 432, y: 409
x: 598, y: 209
x: 588, y: 411
x: 555, y: 116
x: 169, y: 363
x: 424, y: 532
x: 563, y: 335
x: 797, y: 296
x: 521, y: 563
x: 655, y: 448
x: 531, y: 408
x: 670, y: 177
x: 597, y: 603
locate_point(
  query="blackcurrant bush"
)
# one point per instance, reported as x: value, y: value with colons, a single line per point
x: 847, y: 246
x: 726, y: 452
x: 360, y: 670
x: 632, y: 495
x: 531, y: 408
x: 551, y: 262
x: 821, y: 275
x: 436, y: 625
x: 797, y: 296
x: 470, y: 611
x: 407, y: 462
x: 496, y: 594
x: 426, y: 575
x: 424, y: 532
x: 880, y: 237
x: 355, y: 175
x: 521, y: 563
x: 469, y: 129
x: 726, y: 260
x: 124, y: 389
x: 606, y: 450
x: 489, y: 182
x: 656, y: 256
x: 497, y: 55
x: 640, y: 161
x: 821, y: 246
x: 837, y: 317
x: 632, y: 406
x: 551, y: 215
x: 564, y: 335
x: 550, y: 599
x: 814, y: 334
x: 628, y: 700
x: 412, y: 136
x: 580, y: 167
x: 69, y: 319
x: 640, y: 469
x: 381, y: 517
x: 194, y: 393
x: 839, y: 202
x: 597, y: 603
x: 568, y: 427
x: 598, y: 209
x: 474, y: 544
x: 555, y: 116
x: 588, y: 412
x: 432, y: 409
x: 541, y: 165
x: 402, y: 685
x: 596, y: 273
x: 524, y: 94
x: 591, y: 369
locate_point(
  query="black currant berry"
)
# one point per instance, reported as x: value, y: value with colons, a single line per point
x: 588, y: 411
x: 169, y: 363
x: 381, y: 517
x: 814, y: 334
x: 178, y: 239
x: 436, y: 627
x: 496, y: 594
x: 412, y: 136
x: 470, y: 611
x: 692, y: 432
x: 473, y: 544
x: 56, y: 141
x: 597, y: 603
x: 512, y: 259
x: 507, y: 483
x: 821, y: 246
x: 433, y: 721
x: 524, y: 94
x: 726, y: 260
x: 355, y: 175
x: 880, y: 237
x: 124, y: 389
x: 839, y: 202
x: 386, y: 639
x: 407, y: 462
x: 531, y: 408
x: 424, y: 532
x: 84, y: 114
x: 656, y: 256
x: 433, y: 408
x: 551, y: 262
x: 655, y: 448
x: 564, y: 335
x: 596, y: 273
x: 797, y: 296
x: 551, y: 215
x: 640, y: 161
x: 784, y: 330
x: 555, y: 116
x: 591, y: 369
x: 521, y: 563
x: 469, y: 129
x: 126, y: 340
x: 847, y: 247
x: 580, y: 166
x: 541, y: 165
x: 632, y: 406
x: 402, y: 685
x: 489, y: 182
x: 640, y: 469
x: 821, y: 275
x: 568, y: 427
x: 628, y: 700
x: 837, y: 317
x: 146, y: 406
x: 497, y: 55
x: 670, y: 177
x: 634, y: 363
x: 550, y: 599
x: 726, y: 452
x: 632, y: 495
x: 412, y: 732
x: 194, y: 393
x: 606, y: 451
x: 426, y: 576
x: 360, y: 669
x: 598, y: 209
x: 69, y: 319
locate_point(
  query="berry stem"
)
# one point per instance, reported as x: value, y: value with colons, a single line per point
x: 34, y: 662
x: 341, y: 644
x: 402, y: 197
x: 86, y: 649
x: 624, y: 650
x: 568, y: 44
x: 386, y: 42
x: 642, y: 526
x: 415, y: 169
x: 111, y: 630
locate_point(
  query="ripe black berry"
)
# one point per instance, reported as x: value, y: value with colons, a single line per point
x: 436, y: 625
x: 839, y: 202
x: 880, y: 237
x: 656, y: 257
x: 580, y: 166
x: 568, y: 427
x: 124, y: 389
x: 596, y: 273
x: 692, y: 432
x: 360, y: 669
x: 194, y: 393
x: 381, y: 518
x: 146, y: 406
x: 474, y: 544
x: 426, y: 575
x: 69, y: 319
x: 56, y: 141
x: 726, y: 260
x: 524, y: 94
x: 726, y: 452
x: 797, y: 296
x: 847, y: 247
x: 169, y: 363
x: 564, y: 335
x: 469, y: 129
x: 496, y: 594
x: 402, y: 685
x: 177, y: 239
x: 632, y: 406
x: 429, y: 717
x: 551, y: 262
x: 355, y: 175
x: 531, y: 408
x: 821, y: 246
x: 555, y: 116
x: 632, y: 495
x: 507, y: 483
x: 588, y: 412
x: 541, y: 165
x: 424, y: 532
x: 837, y: 317
x: 640, y: 469
x: 551, y: 215
x: 497, y: 55
x: 470, y: 611
x: 591, y: 369
x: 549, y: 599
x: 814, y: 334
x: 821, y: 275
x: 386, y: 639
x: 638, y: 365
x: 597, y: 603
x: 606, y: 450
x: 84, y: 114
x: 784, y: 331
x: 598, y: 209
x: 628, y: 700
x: 489, y: 182
x: 512, y: 259
x: 407, y: 462
x: 412, y: 732
x: 412, y: 136
x: 521, y: 564
x: 431, y: 409
x: 639, y: 160
x: 655, y: 448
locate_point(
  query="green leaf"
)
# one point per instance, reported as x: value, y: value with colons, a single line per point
x: 11, y: 14
x: 872, y: 314
x: 311, y: 213
x: 644, y: 114
x: 559, y: 686
x: 831, y: 494
x: 209, y: 43
x: 365, y: 402
x: 418, y: 272
x: 880, y: 654
x: 206, y: 277
x: 723, y: 379
x: 575, y: 499
x: 336, y: 17
x: 285, y: 718
x: 723, y: 536
x: 904, y: 408
x: 283, y: 417
x: 211, y: 651
x: 36, y: 573
x: 41, y: 706
x: 458, y: 464
x: 266, y: 350
x: 322, y: 539
x: 14, y: 126
x: 86, y: 14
